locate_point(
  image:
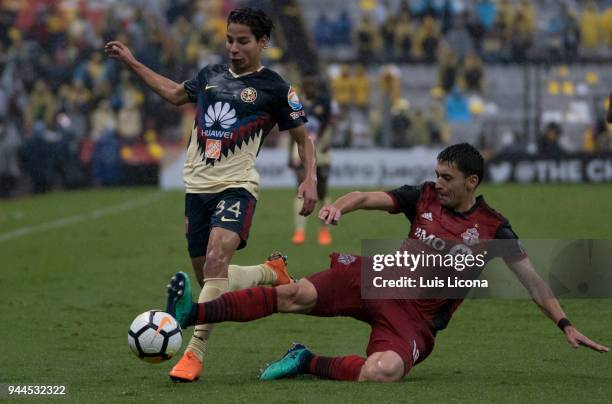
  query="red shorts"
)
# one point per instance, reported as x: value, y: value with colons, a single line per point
x: 396, y: 325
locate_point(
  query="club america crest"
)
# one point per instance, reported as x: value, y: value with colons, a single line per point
x: 249, y: 95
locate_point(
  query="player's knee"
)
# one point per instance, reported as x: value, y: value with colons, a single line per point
x: 383, y: 367
x: 287, y: 295
x: 296, y: 297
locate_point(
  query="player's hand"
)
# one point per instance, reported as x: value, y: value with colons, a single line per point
x: 330, y: 214
x: 119, y: 51
x: 308, y: 192
x: 576, y: 339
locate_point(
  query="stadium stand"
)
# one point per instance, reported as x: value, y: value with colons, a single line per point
x: 507, y: 68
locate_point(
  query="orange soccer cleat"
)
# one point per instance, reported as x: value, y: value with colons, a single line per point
x: 277, y: 262
x: 325, y: 237
x: 299, y: 237
x: 188, y: 369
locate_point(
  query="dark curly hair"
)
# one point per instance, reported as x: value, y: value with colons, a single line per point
x: 466, y: 158
x: 259, y: 22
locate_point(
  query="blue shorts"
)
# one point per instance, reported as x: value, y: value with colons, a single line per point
x: 231, y: 209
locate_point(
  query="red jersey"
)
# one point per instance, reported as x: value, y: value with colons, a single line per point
x: 436, y: 226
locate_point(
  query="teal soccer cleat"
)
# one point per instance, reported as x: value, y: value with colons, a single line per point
x: 293, y: 363
x: 179, y: 302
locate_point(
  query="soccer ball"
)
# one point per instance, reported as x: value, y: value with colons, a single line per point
x: 154, y: 336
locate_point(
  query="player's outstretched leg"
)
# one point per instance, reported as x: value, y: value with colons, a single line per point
x: 384, y: 366
x: 294, y: 362
x: 243, y: 305
x: 300, y: 360
x: 179, y: 304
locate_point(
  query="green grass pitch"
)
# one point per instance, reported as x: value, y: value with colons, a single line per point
x: 77, y: 267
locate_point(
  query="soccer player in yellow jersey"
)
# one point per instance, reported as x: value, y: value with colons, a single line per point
x: 237, y: 106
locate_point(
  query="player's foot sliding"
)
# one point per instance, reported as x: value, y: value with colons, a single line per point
x: 300, y: 360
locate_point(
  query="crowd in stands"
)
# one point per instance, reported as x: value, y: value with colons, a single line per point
x: 70, y: 116
x: 497, y: 31
x: 64, y: 106
x: 373, y: 111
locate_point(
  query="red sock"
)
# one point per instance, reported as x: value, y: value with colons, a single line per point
x: 241, y: 305
x: 338, y: 368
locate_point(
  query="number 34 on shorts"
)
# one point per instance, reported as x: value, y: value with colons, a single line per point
x: 229, y: 213
x: 234, y: 211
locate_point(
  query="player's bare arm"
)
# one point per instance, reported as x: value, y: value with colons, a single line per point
x: 356, y: 200
x: 308, y: 188
x: 544, y: 298
x: 169, y: 90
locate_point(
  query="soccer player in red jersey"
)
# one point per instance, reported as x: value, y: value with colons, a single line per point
x: 403, y: 331
x: 238, y: 104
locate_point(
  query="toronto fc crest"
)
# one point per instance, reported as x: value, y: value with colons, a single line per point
x: 470, y: 236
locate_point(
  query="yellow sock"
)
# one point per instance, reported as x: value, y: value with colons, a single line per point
x: 242, y: 277
x: 213, y: 288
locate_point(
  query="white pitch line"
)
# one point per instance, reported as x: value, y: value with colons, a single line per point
x: 66, y: 221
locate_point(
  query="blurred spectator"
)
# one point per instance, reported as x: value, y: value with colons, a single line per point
x: 459, y: 39
x: 598, y: 138
x: 400, y: 124
x: 521, y: 32
x: 10, y: 142
x: 40, y: 154
x: 102, y: 118
x: 380, y: 12
x: 476, y: 29
x: 342, y: 87
x: 387, y: 34
x: 368, y: 40
x: 404, y: 38
x: 93, y: 73
x: 80, y: 103
x: 361, y: 88
x: 457, y: 107
x: 494, y: 41
x: 324, y: 31
x: 419, y: 132
x: 437, y: 126
x: 129, y: 119
x: 447, y: 68
x: 473, y: 74
x: 389, y: 87
x: 548, y: 143
x: 41, y: 105
x: 105, y: 160
x: 589, y: 27
x: 343, y: 29
x: 571, y: 37
x: 428, y: 38
x: 486, y: 11
x: 389, y: 84
x: 129, y: 123
x: 606, y: 26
